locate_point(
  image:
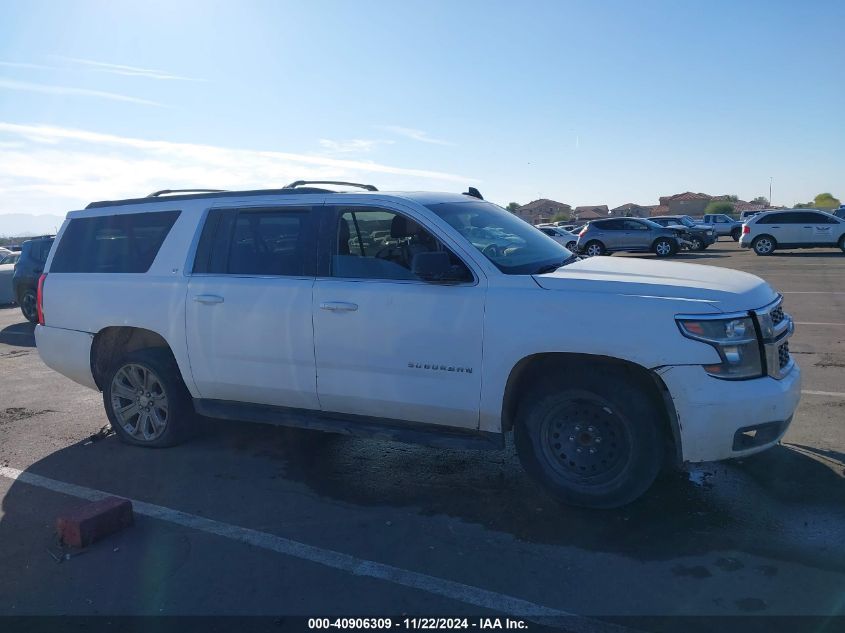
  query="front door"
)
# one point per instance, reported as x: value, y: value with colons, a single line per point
x: 392, y: 340
x: 637, y: 235
x: 248, y: 313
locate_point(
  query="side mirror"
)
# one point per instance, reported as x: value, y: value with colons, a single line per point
x: 432, y: 266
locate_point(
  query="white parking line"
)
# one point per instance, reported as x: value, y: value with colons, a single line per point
x: 830, y: 394
x: 452, y: 590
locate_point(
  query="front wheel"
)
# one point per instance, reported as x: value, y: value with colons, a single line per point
x: 146, y: 401
x: 735, y: 234
x: 842, y: 243
x: 697, y: 244
x: 663, y: 247
x: 29, y: 306
x: 570, y: 246
x: 596, y: 443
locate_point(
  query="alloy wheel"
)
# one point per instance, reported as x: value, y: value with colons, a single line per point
x: 139, y: 402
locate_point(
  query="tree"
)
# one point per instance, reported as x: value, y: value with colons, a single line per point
x: 513, y: 206
x: 560, y: 216
x: 761, y: 200
x: 733, y: 197
x: 719, y: 206
x: 826, y: 201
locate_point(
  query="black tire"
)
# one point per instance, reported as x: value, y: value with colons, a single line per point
x: 180, y: 418
x: 571, y: 246
x: 596, y: 247
x: 29, y: 306
x: 664, y: 247
x: 735, y: 234
x: 697, y: 244
x: 595, y: 443
x: 764, y: 245
x: 842, y: 243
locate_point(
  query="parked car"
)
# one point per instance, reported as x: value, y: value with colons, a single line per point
x: 251, y: 306
x: 4, y: 251
x: 723, y: 225
x: 792, y: 228
x: 27, y: 271
x: 569, y: 240
x: 602, y: 237
x: 7, y: 269
x: 699, y: 236
x: 840, y: 213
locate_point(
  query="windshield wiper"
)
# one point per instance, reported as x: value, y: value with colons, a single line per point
x: 550, y: 268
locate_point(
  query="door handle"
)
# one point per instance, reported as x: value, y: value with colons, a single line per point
x: 775, y: 227
x: 338, y: 306
x: 208, y: 299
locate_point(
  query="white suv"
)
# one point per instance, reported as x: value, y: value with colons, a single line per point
x: 792, y: 228
x: 422, y: 317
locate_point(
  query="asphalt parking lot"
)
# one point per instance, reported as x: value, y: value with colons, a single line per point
x: 257, y: 520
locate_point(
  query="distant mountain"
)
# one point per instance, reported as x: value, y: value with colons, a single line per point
x: 23, y: 224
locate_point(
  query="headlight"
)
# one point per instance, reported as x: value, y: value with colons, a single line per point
x: 736, y: 341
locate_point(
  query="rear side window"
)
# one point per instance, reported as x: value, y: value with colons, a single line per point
x: 257, y: 242
x: 772, y: 218
x: 125, y: 243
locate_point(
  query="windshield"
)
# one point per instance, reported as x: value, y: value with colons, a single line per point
x: 513, y: 245
x: 687, y: 220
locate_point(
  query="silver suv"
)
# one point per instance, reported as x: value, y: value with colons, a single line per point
x: 635, y: 235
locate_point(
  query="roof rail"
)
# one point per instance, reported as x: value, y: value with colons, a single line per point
x: 300, y: 183
x: 156, y: 194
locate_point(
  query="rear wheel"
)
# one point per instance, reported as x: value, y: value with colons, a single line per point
x: 146, y: 401
x: 842, y: 243
x: 735, y: 233
x: 663, y: 247
x: 594, y: 249
x: 29, y: 306
x: 764, y: 245
x: 596, y: 443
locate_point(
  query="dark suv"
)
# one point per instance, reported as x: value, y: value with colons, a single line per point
x: 27, y: 271
x: 700, y: 236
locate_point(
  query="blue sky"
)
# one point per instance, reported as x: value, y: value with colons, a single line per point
x: 583, y: 102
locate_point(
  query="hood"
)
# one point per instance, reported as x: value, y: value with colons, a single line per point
x: 722, y: 288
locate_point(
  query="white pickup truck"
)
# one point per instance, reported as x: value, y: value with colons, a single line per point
x: 422, y: 317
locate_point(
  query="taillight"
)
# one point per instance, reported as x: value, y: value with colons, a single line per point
x: 40, y: 299
x: 584, y: 230
x: 746, y: 229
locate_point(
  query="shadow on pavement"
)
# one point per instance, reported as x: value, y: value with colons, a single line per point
x: 782, y: 503
x: 18, y: 335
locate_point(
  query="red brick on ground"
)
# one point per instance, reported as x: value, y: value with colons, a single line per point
x: 93, y: 521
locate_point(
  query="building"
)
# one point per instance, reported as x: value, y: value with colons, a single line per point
x: 687, y: 203
x: 591, y: 212
x: 542, y: 210
x: 631, y: 210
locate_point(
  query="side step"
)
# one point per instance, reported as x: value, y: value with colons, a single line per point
x: 354, y: 425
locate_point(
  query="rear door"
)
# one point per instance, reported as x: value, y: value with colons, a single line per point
x: 779, y: 226
x: 391, y: 342
x: 637, y: 235
x: 248, y: 308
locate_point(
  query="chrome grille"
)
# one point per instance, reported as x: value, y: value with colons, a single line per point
x: 783, y: 354
x: 775, y: 329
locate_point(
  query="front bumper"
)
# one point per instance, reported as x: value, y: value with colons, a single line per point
x: 723, y: 419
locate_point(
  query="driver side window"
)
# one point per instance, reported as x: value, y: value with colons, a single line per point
x: 382, y: 244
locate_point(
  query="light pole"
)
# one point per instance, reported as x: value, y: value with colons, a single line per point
x: 771, y: 178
